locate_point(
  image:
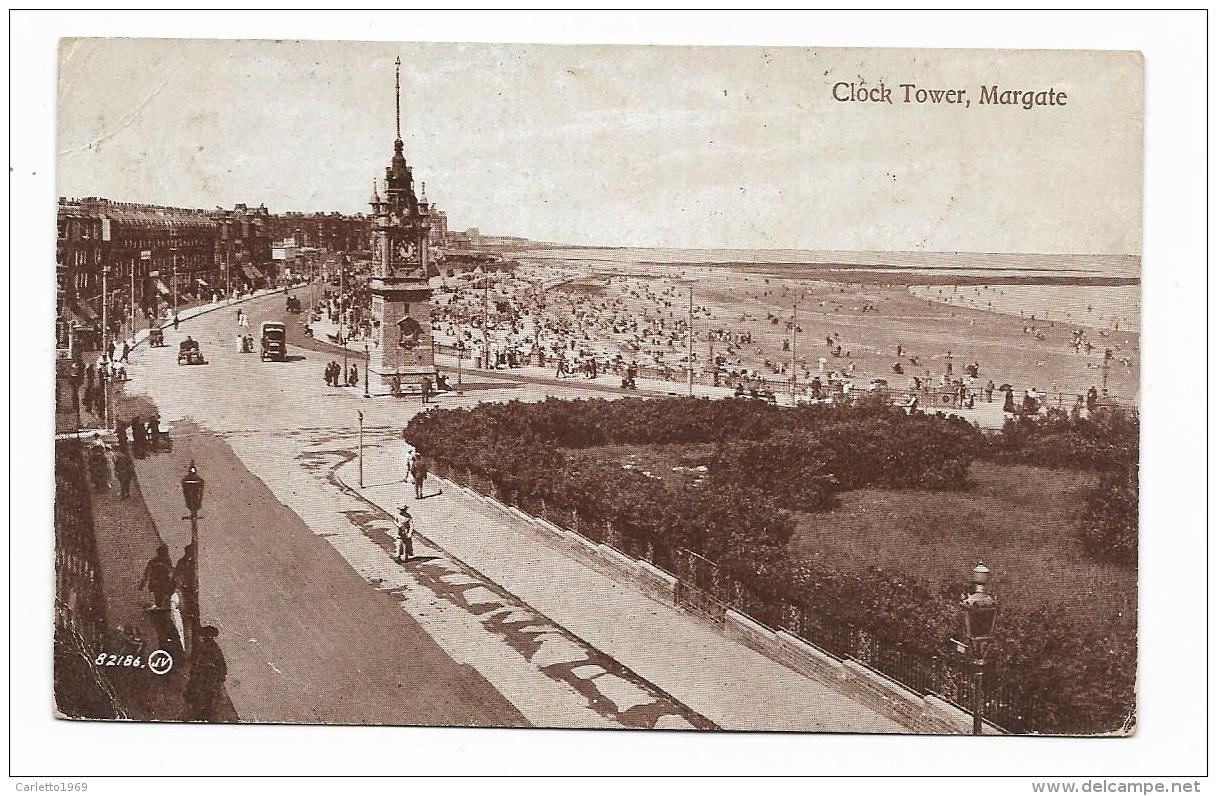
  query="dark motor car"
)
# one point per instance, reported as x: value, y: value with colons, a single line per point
x: 274, y: 340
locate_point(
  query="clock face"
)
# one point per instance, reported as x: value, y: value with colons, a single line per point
x: 405, y: 252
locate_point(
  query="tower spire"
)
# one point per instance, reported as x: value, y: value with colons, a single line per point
x: 398, y: 92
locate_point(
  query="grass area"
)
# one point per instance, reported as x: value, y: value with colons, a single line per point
x: 1016, y: 518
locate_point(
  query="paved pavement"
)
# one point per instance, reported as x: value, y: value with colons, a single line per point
x: 727, y: 682
x: 487, y: 626
x: 318, y: 623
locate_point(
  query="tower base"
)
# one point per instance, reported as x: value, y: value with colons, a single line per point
x: 381, y: 373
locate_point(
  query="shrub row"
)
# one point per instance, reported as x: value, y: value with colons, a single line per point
x: 1108, y: 439
x: 768, y: 460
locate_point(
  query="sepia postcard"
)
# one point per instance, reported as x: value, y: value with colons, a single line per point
x: 601, y: 387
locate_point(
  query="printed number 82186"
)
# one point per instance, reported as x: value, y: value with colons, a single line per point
x: 110, y: 659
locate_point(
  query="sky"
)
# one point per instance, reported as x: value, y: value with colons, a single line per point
x: 683, y: 147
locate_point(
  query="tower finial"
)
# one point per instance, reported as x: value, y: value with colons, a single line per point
x: 398, y: 91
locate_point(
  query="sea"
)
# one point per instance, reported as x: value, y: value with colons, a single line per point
x: 1092, y: 290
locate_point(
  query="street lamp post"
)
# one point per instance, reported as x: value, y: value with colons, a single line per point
x: 980, y: 614
x: 105, y: 300
x: 131, y: 305
x: 192, y: 492
x: 367, y: 360
x: 360, y: 450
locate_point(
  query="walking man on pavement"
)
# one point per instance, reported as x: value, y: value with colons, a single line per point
x: 409, y: 460
x: 208, y: 670
x: 158, y: 578
x: 426, y: 389
x: 125, y: 471
x: 418, y: 471
x: 403, y: 550
x: 138, y: 437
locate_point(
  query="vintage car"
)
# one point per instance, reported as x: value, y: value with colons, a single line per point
x: 156, y: 337
x: 293, y: 304
x: 274, y: 341
x: 189, y: 354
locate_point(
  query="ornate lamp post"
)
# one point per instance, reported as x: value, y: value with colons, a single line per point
x: 980, y: 614
x: 192, y: 492
x: 367, y: 356
x: 360, y: 450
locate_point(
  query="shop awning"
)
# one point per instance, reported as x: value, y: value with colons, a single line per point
x: 252, y: 273
x: 201, y: 282
x: 77, y: 315
x: 160, y: 288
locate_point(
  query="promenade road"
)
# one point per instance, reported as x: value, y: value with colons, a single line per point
x: 729, y: 683
x: 318, y: 623
x: 486, y: 627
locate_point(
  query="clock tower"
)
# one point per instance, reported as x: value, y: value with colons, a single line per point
x: 401, y: 294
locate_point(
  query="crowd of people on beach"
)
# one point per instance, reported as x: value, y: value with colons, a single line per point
x: 634, y: 325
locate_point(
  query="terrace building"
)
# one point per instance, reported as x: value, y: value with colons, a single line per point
x: 243, y: 252
x: 149, y: 253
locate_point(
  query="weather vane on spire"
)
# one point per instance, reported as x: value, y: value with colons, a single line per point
x: 398, y: 90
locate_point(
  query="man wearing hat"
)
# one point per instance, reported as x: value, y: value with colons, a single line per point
x: 208, y: 670
x: 404, y: 549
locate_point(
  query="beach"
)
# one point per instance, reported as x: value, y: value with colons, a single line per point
x: 1026, y: 320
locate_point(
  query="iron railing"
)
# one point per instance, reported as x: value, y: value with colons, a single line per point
x: 705, y: 589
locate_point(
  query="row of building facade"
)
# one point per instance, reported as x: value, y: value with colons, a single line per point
x: 156, y: 256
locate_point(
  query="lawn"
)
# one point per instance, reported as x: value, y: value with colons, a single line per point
x: 1015, y: 518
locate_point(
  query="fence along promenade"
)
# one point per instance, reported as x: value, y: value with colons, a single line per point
x: 700, y: 587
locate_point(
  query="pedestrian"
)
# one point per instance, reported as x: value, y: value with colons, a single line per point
x: 99, y: 396
x: 90, y: 377
x: 208, y: 670
x: 111, y: 462
x: 158, y: 578
x: 175, y: 321
x: 99, y: 466
x: 354, y: 375
x: 120, y: 433
x: 184, y: 574
x: 75, y: 375
x: 395, y: 385
x: 989, y: 387
x: 125, y: 471
x: 154, y: 432
x: 138, y: 437
x: 410, y: 454
x: 403, y: 550
x: 426, y: 389
x: 1008, y: 404
x: 419, y: 475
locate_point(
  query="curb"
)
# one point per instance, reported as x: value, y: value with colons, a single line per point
x: 610, y: 563
x: 462, y: 562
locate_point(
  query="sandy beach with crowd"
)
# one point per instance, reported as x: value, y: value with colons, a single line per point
x: 851, y: 325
